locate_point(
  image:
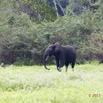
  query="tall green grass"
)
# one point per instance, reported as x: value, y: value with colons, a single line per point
x: 34, y: 84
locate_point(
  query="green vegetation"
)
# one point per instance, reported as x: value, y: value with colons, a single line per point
x: 27, y: 27
x: 34, y: 84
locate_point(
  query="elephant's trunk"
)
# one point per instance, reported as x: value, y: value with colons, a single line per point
x: 45, y: 58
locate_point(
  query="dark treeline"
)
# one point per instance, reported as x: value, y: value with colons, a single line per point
x: 28, y: 27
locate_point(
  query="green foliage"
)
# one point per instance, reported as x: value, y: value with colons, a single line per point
x: 21, y: 38
x: 26, y: 62
x: 27, y: 84
x: 38, y: 10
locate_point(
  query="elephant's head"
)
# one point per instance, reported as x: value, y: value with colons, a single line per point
x: 51, y: 50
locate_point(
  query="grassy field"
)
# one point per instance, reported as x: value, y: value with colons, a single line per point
x: 34, y: 84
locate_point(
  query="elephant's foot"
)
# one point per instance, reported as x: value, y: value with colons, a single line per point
x: 59, y: 69
x: 73, y: 69
x: 66, y: 69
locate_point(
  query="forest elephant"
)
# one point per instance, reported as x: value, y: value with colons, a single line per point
x: 64, y: 55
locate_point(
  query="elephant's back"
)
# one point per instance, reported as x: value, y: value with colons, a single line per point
x: 70, y: 53
x: 69, y: 49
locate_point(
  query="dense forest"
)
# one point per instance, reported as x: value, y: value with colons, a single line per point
x: 27, y: 27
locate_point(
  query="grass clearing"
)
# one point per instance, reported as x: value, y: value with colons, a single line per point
x: 34, y: 84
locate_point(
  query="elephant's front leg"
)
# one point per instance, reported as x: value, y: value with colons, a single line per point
x: 61, y: 64
x: 59, y: 69
x: 57, y: 63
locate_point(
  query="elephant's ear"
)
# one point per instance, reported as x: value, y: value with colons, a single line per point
x: 57, y: 47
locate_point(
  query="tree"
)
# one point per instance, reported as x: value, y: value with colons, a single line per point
x: 38, y: 10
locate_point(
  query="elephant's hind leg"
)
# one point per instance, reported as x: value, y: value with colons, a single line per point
x: 66, y: 64
x: 66, y: 69
x: 73, y: 64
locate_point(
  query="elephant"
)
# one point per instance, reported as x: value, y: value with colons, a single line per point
x: 64, y: 55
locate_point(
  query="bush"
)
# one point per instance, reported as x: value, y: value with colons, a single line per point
x: 21, y: 38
